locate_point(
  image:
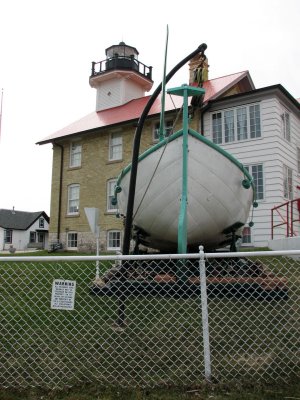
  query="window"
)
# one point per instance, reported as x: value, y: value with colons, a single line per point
x: 287, y: 183
x: 241, y: 115
x: 113, y: 240
x: 75, y: 155
x: 115, y: 147
x: 110, y: 190
x: 72, y: 240
x: 41, y: 223
x: 229, y: 126
x: 239, y: 123
x: 41, y: 237
x: 256, y: 171
x: 168, y: 129
x: 73, y: 199
x: 255, y: 130
x: 246, y: 235
x: 32, y: 237
x: 8, y: 236
x: 286, y: 127
x: 217, y: 127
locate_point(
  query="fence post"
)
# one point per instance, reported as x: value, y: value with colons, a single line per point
x: 204, y: 309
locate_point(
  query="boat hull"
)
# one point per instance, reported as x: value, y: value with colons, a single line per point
x: 216, y: 198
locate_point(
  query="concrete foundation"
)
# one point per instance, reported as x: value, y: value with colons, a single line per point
x: 291, y: 243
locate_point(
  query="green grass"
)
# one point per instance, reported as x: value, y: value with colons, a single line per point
x: 41, y: 253
x: 251, y: 341
x: 205, y: 392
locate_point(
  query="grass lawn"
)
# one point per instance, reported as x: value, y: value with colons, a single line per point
x: 161, y: 347
x: 289, y: 391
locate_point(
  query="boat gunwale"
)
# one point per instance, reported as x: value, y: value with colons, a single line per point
x: 196, y: 135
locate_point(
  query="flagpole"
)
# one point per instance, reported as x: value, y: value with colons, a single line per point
x: 162, y: 131
x: 1, y: 110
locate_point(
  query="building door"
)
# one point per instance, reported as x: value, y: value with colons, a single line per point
x: 41, y: 239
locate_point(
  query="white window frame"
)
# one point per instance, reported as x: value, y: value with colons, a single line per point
x: 73, y: 199
x: 242, y: 121
x: 110, y: 240
x: 32, y: 237
x: 216, y: 127
x: 115, y: 151
x: 254, y: 115
x: 286, y: 125
x: 75, y: 155
x: 298, y: 160
x: 260, y: 194
x: 8, y: 236
x: 72, y: 240
x: 236, y: 124
x: 110, y: 192
x: 287, y: 182
x: 229, y: 126
x: 169, y: 125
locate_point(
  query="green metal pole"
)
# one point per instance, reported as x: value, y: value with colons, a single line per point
x: 163, y: 94
x: 182, y: 220
x: 136, y: 147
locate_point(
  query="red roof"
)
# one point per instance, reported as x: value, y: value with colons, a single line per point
x: 216, y: 87
x: 133, y: 109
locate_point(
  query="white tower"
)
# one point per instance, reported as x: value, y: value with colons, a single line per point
x: 120, y: 77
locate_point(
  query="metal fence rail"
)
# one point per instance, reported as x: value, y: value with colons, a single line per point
x: 149, y: 320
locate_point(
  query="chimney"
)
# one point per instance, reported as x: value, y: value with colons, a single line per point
x: 198, y: 70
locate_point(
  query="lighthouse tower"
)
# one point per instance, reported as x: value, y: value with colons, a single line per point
x: 119, y: 78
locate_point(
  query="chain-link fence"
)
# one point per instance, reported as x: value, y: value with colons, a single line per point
x: 149, y: 320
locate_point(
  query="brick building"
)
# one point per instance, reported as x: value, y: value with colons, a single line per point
x: 89, y: 154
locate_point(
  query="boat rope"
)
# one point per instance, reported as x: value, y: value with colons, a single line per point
x: 151, y: 179
x: 178, y: 113
x: 160, y: 158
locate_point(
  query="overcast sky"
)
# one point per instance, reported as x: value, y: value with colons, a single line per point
x: 46, y: 50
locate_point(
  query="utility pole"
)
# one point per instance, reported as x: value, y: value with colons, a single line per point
x: 1, y: 110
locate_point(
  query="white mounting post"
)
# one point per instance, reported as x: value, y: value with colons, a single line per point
x: 97, y: 250
x: 204, y: 308
x: 92, y: 215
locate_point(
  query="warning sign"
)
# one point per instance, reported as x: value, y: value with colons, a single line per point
x: 63, y: 294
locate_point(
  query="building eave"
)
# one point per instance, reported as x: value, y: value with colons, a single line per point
x: 25, y: 219
x: 260, y: 91
x: 131, y: 111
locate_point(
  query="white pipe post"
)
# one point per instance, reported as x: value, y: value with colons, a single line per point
x: 92, y: 215
x: 97, y: 251
x: 204, y: 308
